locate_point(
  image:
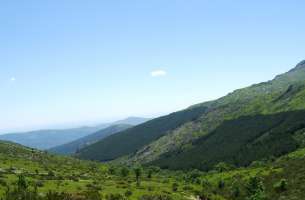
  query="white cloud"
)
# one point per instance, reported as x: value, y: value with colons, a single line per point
x: 13, y: 79
x: 157, y: 73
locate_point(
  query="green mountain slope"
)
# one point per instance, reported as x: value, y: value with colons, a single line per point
x: 241, y: 141
x: 74, y: 146
x: 284, y: 93
x: 182, y: 145
x: 281, y: 179
x: 133, y: 139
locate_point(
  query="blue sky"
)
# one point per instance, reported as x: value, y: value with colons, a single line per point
x: 76, y: 62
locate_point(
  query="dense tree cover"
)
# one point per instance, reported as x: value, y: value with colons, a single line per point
x: 240, y: 141
x: 129, y: 141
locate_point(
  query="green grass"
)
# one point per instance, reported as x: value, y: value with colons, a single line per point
x: 72, y: 175
x: 76, y: 177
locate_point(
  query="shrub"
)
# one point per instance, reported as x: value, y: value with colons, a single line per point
x: 22, y: 183
x: 258, y: 164
x: 51, y: 174
x: 205, y: 183
x: 281, y: 186
x: 194, y: 175
x: 155, y: 169
x: 138, y: 173
x: 128, y: 193
x: 221, y: 184
x: 92, y: 195
x: 39, y: 184
x: 57, y: 196
x: 204, y: 196
x: 3, y: 182
x: 115, y: 197
x: 175, y: 187
x: 124, y: 172
x: 149, y: 173
x: 188, y: 188
x: 255, y: 189
x: 222, y: 167
x: 165, y: 181
x: 235, y: 190
x: 150, y: 188
x: 155, y: 197
x: 111, y: 170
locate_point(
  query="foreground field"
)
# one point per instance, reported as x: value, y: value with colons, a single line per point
x: 29, y: 174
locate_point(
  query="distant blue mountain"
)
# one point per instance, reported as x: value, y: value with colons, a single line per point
x: 46, y: 139
x: 74, y: 146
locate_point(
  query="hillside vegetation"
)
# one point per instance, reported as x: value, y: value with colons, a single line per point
x: 30, y: 174
x: 248, y: 145
x: 284, y: 93
x: 241, y: 141
x: 134, y: 138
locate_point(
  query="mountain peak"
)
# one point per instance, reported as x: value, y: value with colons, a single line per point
x: 132, y: 121
x: 300, y: 65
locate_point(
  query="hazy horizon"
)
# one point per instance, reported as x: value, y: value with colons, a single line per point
x: 68, y: 125
x: 64, y: 63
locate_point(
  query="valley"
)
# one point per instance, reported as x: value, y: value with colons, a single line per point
x: 246, y: 145
x: 152, y: 100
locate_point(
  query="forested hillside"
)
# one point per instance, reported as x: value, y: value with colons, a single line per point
x: 252, y: 106
x: 133, y: 139
x: 241, y: 141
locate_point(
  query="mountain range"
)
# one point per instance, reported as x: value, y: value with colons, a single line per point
x: 257, y: 122
x: 74, y: 146
x: 47, y: 139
